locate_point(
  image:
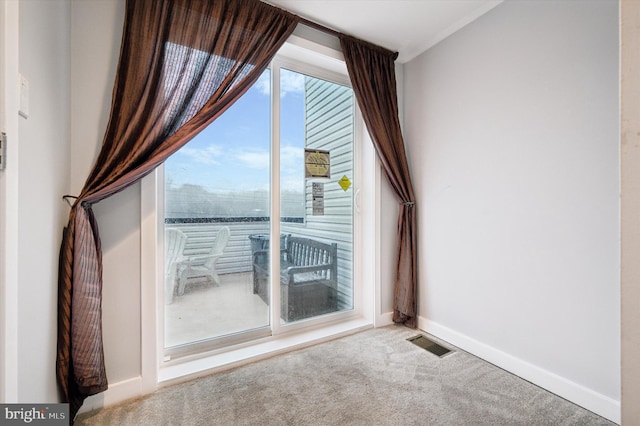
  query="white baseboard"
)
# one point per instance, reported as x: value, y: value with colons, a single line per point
x: 383, y: 319
x: 117, y: 392
x: 578, y: 394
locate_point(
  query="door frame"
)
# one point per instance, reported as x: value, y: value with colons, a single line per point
x: 9, y: 104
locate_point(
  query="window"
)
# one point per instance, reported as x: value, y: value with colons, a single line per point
x: 244, y: 180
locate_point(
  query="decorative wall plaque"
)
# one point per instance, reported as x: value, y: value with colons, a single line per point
x: 317, y: 163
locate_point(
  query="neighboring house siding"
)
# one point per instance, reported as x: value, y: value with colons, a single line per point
x: 329, y: 126
x: 237, y: 254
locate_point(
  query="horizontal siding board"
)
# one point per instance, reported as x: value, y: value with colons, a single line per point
x: 335, y: 207
x: 338, y: 130
x: 329, y: 126
x: 333, y: 116
x: 325, y: 138
x: 341, y: 223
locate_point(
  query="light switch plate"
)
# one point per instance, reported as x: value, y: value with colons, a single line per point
x: 24, y: 97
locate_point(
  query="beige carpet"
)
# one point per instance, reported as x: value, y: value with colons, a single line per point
x: 375, y: 377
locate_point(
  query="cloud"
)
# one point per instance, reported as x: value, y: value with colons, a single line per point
x: 290, y: 82
x: 254, y: 160
x: 210, y: 155
x: 291, y: 157
x: 264, y: 83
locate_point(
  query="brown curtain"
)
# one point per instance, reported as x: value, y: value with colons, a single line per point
x: 372, y: 73
x: 182, y: 64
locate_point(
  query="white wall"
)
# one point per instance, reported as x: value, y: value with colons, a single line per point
x: 512, y: 133
x: 96, y: 30
x: 43, y: 177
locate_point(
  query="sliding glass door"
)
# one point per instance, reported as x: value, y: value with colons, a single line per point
x: 316, y: 224
x: 231, y: 272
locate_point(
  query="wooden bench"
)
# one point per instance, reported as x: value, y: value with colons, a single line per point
x: 308, y: 278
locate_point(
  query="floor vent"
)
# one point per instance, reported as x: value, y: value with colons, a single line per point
x: 429, y: 345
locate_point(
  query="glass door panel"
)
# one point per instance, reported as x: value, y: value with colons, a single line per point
x: 316, y: 196
x: 217, y: 195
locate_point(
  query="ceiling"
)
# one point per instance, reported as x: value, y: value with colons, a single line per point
x: 408, y: 27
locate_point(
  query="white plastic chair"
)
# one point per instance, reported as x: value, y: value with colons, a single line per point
x: 174, y: 242
x: 204, y: 265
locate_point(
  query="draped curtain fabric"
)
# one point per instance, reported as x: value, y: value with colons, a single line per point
x: 182, y: 64
x: 372, y: 73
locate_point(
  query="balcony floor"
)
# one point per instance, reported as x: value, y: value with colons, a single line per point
x: 208, y: 310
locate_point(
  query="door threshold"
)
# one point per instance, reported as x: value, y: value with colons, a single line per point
x: 171, y: 373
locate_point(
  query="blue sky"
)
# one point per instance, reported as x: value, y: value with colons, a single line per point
x: 232, y: 154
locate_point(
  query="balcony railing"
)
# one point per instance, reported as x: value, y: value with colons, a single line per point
x: 237, y: 255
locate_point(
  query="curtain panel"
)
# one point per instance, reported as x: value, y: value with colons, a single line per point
x: 372, y: 73
x: 182, y: 64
